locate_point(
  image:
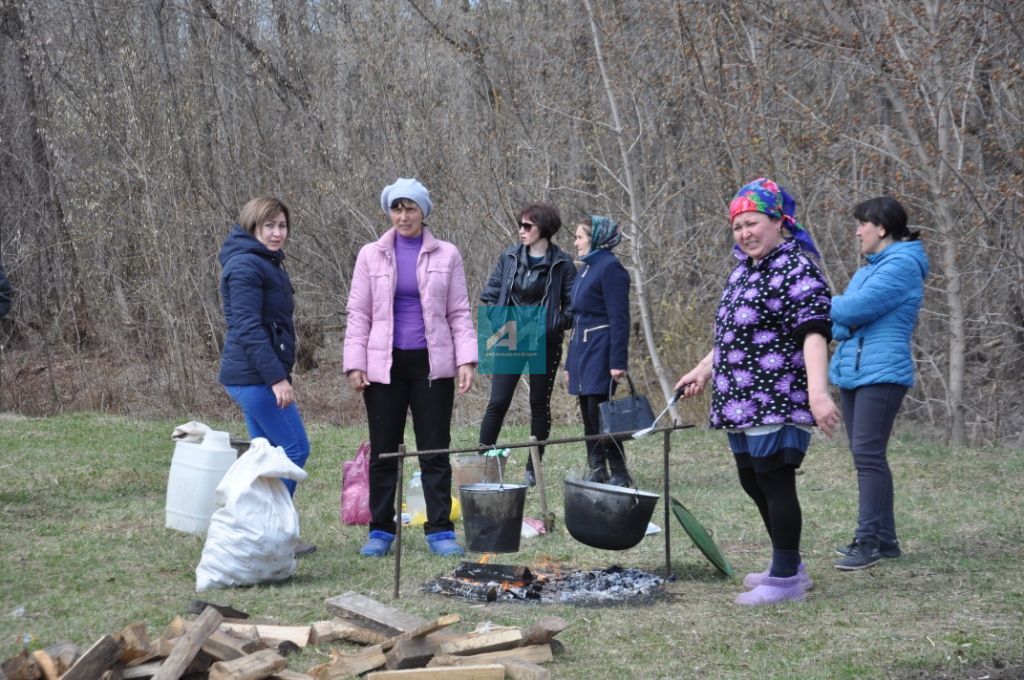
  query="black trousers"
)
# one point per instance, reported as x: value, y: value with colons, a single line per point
x: 431, y: 404
x: 503, y: 387
x: 590, y: 411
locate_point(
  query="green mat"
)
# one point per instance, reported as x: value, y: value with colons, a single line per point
x: 701, y: 537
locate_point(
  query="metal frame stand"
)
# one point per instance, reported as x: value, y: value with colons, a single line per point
x: 533, y: 445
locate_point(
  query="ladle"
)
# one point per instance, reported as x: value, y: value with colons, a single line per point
x: 640, y: 434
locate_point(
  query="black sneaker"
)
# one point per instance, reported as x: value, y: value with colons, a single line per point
x: 861, y: 555
x: 887, y: 550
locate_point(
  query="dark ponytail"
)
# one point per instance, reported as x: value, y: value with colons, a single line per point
x: 887, y: 212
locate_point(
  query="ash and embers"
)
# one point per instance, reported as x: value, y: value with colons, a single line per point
x: 612, y: 585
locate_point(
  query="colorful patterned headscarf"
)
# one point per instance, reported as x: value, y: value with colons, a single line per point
x: 765, y: 196
x: 604, y: 233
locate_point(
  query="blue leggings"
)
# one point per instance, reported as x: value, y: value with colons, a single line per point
x: 281, y: 426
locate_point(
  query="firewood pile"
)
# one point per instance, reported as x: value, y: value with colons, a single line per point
x: 218, y: 647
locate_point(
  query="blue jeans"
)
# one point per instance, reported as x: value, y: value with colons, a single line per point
x: 281, y: 426
x: 869, y: 413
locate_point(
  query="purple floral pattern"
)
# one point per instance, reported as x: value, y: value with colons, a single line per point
x: 760, y: 378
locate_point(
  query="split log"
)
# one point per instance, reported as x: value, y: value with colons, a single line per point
x: 146, y: 670
x: 418, y: 651
x: 420, y: 631
x: 196, y: 607
x: 22, y: 666
x: 97, y: 659
x: 349, y: 665
x: 478, y: 672
x: 532, y: 654
x: 186, y: 648
x: 483, y: 641
x: 271, y: 635
x: 340, y: 629
x: 47, y: 666
x: 135, y: 640
x: 543, y: 630
x: 524, y: 670
x: 484, y: 572
x: 224, y: 646
x: 251, y: 667
x: 372, y: 614
x: 485, y: 592
x: 64, y: 655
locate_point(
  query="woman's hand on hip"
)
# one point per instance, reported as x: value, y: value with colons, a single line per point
x: 466, y: 373
x: 357, y: 379
x: 284, y: 392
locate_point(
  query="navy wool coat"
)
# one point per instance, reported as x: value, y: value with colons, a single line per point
x: 600, y: 332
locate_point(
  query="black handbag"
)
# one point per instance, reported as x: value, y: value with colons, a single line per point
x: 627, y: 414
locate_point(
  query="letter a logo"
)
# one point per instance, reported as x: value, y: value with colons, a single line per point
x: 505, y: 336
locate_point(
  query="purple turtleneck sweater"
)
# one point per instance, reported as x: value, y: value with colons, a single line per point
x: 409, y: 330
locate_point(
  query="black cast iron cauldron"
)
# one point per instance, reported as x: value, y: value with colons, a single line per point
x: 606, y: 516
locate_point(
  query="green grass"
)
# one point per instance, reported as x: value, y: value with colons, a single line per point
x: 84, y: 552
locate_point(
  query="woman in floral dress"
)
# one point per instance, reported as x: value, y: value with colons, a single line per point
x: 769, y: 373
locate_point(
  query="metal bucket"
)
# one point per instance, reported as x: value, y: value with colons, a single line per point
x: 492, y: 516
x: 605, y: 516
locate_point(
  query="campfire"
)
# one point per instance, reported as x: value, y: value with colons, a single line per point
x: 487, y: 582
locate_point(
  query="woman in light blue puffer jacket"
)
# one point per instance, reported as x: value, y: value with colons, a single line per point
x: 873, y: 367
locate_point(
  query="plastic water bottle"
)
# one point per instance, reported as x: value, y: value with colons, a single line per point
x: 415, y: 503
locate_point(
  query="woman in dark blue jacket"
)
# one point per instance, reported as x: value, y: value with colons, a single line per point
x: 534, y: 273
x: 873, y: 367
x: 599, y: 347
x: 259, y: 348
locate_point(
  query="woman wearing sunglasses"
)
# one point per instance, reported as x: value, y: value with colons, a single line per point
x: 532, y: 273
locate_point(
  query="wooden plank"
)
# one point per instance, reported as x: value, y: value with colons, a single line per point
x: 188, y: 646
x: 524, y: 670
x: 416, y: 652
x: 271, y: 635
x: 543, y: 630
x: 478, y: 672
x: 342, y: 629
x: 427, y: 628
x: 349, y: 665
x: 372, y: 614
x: 483, y: 641
x: 532, y: 654
x: 99, y: 658
x: 254, y: 666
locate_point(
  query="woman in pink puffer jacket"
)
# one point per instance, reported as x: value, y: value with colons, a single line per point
x: 409, y: 335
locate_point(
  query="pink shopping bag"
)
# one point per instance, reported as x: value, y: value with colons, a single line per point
x: 355, y: 487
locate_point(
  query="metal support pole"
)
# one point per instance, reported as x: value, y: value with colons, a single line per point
x: 398, y: 515
x: 538, y: 471
x: 666, y: 447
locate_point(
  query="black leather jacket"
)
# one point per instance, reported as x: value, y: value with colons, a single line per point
x: 560, y: 275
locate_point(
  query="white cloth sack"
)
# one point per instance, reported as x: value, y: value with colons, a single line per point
x: 192, y: 431
x: 255, y: 528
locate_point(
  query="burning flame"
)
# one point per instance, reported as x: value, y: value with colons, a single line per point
x: 486, y: 558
